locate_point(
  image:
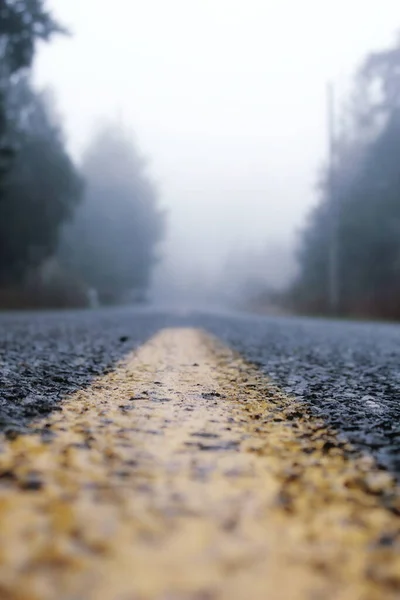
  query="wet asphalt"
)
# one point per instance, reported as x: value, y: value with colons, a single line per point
x: 346, y: 373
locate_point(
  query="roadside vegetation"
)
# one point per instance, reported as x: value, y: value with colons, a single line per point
x: 363, y: 201
x: 72, y: 233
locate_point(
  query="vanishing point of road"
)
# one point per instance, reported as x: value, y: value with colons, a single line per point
x: 157, y: 455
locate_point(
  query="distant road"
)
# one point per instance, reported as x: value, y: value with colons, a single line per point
x: 196, y: 456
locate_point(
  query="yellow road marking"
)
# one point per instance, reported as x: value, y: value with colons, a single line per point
x: 185, y: 475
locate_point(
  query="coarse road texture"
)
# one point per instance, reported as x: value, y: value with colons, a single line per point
x: 147, y: 455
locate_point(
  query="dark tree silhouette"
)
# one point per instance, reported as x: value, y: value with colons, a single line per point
x: 22, y: 24
x: 367, y: 190
x: 40, y: 190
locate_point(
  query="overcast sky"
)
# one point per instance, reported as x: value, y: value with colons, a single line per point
x: 227, y: 98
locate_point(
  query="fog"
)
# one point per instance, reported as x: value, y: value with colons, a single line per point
x: 228, y: 102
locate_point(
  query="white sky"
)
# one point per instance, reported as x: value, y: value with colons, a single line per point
x: 227, y: 98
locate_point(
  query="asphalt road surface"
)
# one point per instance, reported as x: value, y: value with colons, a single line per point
x: 198, y: 456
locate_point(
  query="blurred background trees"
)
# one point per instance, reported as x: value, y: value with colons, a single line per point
x: 112, y: 240
x: 92, y: 227
x: 366, y: 193
x: 67, y: 231
x: 39, y: 190
x: 22, y: 24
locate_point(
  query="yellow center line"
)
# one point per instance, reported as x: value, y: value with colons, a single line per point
x: 185, y: 475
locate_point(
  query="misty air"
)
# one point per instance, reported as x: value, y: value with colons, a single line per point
x: 199, y: 300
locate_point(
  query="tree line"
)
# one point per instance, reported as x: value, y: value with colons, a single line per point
x: 361, y: 203
x: 64, y: 226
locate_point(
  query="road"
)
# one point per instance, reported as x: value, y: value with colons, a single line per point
x: 198, y: 456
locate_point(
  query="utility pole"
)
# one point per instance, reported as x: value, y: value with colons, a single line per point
x: 333, y: 251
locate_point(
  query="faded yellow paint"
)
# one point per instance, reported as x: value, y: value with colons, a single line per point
x: 185, y: 475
